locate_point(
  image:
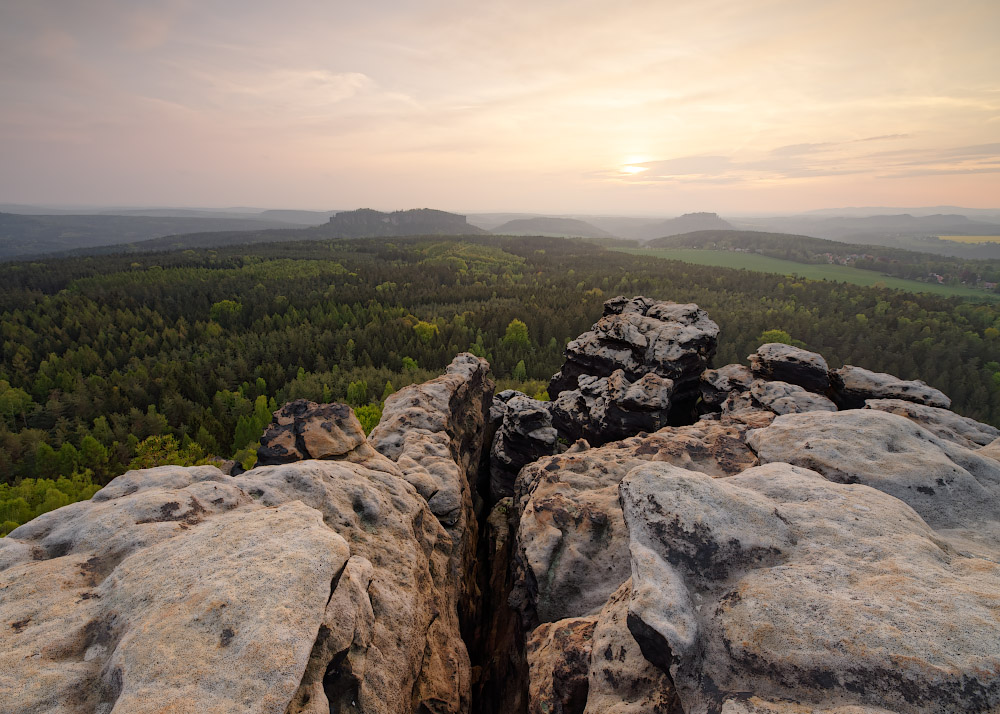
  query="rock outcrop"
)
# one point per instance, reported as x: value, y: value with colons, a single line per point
x: 641, y: 336
x: 313, y: 586
x: 603, y: 409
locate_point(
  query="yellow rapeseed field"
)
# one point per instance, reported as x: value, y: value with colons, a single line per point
x: 972, y: 239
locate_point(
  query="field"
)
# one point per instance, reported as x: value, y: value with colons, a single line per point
x: 972, y: 239
x: 836, y: 273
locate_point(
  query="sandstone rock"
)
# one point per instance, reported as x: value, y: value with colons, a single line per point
x: 940, y: 422
x: 559, y: 662
x: 716, y: 384
x: 621, y: 680
x: 949, y: 486
x: 640, y: 336
x: 992, y: 450
x: 571, y: 542
x: 778, y: 362
x: 304, y: 587
x: 524, y: 434
x: 805, y: 593
x: 306, y: 430
x: 785, y: 398
x: 606, y: 409
x: 852, y: 386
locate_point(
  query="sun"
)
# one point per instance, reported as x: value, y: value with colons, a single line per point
x: 631, y: 170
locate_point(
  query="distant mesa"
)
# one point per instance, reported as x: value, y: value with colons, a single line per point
x: 687, y: 223
x: 366, y: 222
x: 551, y: 226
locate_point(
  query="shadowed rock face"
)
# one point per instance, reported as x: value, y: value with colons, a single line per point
x: 785, y: 363
x: 313, y: 586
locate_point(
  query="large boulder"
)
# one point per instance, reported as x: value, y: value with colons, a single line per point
x: 572, y: 550
x: 808, y: 595
x: 852, y: 386
x: 638, y: 336
x: 603, y: 409
x: 779, y: 362
x: 305, y: 430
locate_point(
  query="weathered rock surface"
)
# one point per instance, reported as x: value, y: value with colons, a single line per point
x: 852, y: 386
x: 951, y: 487
x: 313, y: 586
x: 805, y: 593
x: 559, y: 662
x: 940, y: 422
x: 524, y: 434
x: 572, y: 551
x: 639, y: 336
x: 776, y: 397
x: 991, y: 450
x: 778, y: 362
x: 604, y: 409
x: 307, y: 430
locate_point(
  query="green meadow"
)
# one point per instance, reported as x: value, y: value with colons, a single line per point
x: 836, y: 273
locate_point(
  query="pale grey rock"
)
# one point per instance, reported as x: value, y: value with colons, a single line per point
x: 807, y: 594
x: 638, y: 336
x: 852, y: 386
x: 949, y: 486
x: 940, y: 422
x: 777, y: 362
x: 572, y: 550
x: 785, y: 398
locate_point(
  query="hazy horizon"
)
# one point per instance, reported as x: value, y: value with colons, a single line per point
x: 641, y: 108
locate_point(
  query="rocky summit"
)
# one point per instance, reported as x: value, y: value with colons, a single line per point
x: 777, y: 538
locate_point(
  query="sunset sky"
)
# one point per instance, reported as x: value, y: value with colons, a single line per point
x: 587, y: 106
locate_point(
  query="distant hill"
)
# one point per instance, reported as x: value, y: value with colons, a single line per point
x: 28, y: 236
x: 369, y: 223
x: 363, y: 223
x: 682, y: 224
x: 551, y: 226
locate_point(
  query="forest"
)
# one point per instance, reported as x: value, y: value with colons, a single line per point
x: 125, y: 361
x: 897, y: 262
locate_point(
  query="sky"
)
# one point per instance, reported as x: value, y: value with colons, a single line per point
x: 583, y: 106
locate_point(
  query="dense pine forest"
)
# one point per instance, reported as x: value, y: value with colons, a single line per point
x: 123, y: 361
